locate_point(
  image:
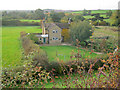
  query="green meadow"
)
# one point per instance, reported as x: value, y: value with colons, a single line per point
x: 11, y: 44
x: 64, y: 52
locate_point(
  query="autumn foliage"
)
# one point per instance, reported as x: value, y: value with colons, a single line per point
x: 66, y: 35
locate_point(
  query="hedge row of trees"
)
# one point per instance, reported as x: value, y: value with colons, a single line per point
x: 19, y: 23
x: 36, y: 15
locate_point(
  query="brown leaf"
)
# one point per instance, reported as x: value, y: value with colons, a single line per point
x: 56, y: 76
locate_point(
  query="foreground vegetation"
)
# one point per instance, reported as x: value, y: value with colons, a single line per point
x: 38, y: 72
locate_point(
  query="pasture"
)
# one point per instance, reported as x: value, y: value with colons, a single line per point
x: 11, y: 44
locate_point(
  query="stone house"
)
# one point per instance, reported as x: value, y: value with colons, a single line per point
x: 52, y: 33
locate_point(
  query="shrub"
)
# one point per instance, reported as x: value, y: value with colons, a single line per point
x: 83, y: 43
x: 103, y: 45
x: 80, y: 31
x: 30, y: 76
x: 34, y: 38
x: 22, y: 34
x: 28, y: 45
x: 95, y: 23
x: 40, y: 59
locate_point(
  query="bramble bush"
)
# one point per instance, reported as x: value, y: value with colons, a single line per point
x: 104, y: 45
x: 29, y: 76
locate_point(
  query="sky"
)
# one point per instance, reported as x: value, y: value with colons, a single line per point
x: 58, y: 4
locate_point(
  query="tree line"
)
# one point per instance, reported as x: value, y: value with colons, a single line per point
x: 53, y: 16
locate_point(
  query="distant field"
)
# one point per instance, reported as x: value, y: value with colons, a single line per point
x: 99, y: 11
x: 95, y: 11
x: 64, y: 52
x: 11, y: 45
x: 27, y: 20
x: 89, y: 16
x: 107, y: 20
x: 106, y: 31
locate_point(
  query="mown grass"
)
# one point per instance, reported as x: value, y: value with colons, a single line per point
x: 64, y: 52
x: 11, y: 45
x: 27, y: 20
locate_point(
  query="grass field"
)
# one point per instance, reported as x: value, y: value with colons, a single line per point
x: 27, y: 20
x: 11, y: 45
x: 64, y: 52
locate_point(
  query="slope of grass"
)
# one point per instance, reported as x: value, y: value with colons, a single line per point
x: 11, y: 45
x: 64, y: 52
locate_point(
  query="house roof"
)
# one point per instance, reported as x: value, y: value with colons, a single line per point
x: 60, y: 25
x: 63, y: 25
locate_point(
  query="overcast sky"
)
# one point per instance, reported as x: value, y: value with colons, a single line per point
x: 58, y: 4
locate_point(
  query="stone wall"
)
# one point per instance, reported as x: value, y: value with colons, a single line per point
x: 56, y: 35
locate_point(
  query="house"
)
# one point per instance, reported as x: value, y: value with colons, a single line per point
x: 52, y: 32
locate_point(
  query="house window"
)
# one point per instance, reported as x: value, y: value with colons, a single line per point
x: 53, y: 38
x: 56, y: 31
x: 53, y: 31
x: 40, y: 39
x: 56, y: 38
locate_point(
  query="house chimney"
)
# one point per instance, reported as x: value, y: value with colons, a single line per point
x: 43, y: 27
